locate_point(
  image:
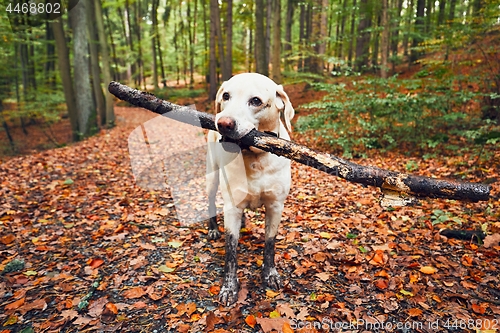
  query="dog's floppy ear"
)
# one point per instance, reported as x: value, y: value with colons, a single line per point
x: 283, y: 103
x: 217, y: 98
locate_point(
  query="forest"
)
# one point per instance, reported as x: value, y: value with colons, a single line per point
x: 411, y: 86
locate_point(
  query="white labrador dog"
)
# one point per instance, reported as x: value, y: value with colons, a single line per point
x: 250, y: 177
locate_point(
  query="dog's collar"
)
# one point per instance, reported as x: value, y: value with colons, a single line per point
x: 272, y: 133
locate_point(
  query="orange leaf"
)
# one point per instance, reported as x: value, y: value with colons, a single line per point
x: 381, y: 284
x: 378, y: 258
x: 428, y: 270
x: 7, y: 239
x: 214, y: 290
x: 287, y: 328
x: 112, y: 307
x: 94, y: 263
x: 251, y: 321
x: 414, y: 312
x: 478, y: 309
x: 15, y: 305
x: 134, y: 292
x: 382, y: 273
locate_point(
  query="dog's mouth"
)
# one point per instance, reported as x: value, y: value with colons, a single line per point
x: 235, y: 146
x: 231, y: 145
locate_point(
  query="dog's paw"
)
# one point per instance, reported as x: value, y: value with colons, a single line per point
x: 272, y: 278
x: 213, y: 234
x: 229, y: 292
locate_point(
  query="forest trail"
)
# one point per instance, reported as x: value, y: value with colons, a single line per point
x: 74, y: 216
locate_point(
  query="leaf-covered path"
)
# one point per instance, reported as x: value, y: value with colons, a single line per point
x: 83, y: 249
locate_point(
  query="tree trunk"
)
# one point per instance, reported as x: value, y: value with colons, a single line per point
x: 65, y: 72
x: 212, y: 61
x: 94, y: 64
x: 428, y: 17
x: 129, y: 38
x: 113, y: 49
x: 269, y: 12
x: 137, y: 27
x: 276, y: 54
x: 408, y: 26
x: 154, y: 37
x: 395, y: 186
x: 353, y: 34
x: 363, y: 40
x: 302, y: 25
x: 340, y: 50
x: 228, y: 61
x: 220, y: 41
x: 260, y: 41
x: 85, y: 107
x: 419, y: 30
x: 384, y: 68
x: 396, y: 28
x: 49, y: 66
x: 376, y: 40
x: 288, y: 33
x: 441, y: 13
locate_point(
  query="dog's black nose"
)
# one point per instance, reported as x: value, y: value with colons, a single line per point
x: 225, y: 125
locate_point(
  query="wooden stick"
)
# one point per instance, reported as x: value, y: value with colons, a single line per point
x: 394, y: 184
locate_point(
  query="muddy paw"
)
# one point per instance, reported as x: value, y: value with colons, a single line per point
x: 229, y: 292
x: 272, y: 279
x: 213, y: 234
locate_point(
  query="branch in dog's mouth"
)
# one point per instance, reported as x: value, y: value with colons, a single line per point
x: 404, y: 185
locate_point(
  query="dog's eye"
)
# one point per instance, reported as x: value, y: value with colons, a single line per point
x: 255, y: 101
x: 225, y: 96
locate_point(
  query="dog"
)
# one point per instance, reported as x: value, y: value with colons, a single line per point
x: 251, y: 178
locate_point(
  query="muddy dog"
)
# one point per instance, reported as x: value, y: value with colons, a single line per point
x: 251, y: 177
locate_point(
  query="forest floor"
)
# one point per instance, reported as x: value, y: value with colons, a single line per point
x: 83, y: 248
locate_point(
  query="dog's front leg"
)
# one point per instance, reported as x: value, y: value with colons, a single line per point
x: 270, y: 275
x: 232, y: 225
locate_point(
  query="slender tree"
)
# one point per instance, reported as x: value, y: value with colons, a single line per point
x: 276, y: 53
x: 94, y: 63
x: 106, y: 66
x: 84, y: 104
x: 214, y: 5
x: 419, y: 30
x: 363, y: 40
x: 228, y: 61
x: 287, y: 47
x: 385, y: 39
x: 352, y: 33
x: 260, y: 41
x: 65, y: 72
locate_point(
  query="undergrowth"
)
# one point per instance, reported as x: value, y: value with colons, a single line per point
x: 416, y: 115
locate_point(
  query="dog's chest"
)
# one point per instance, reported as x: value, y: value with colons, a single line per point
x: 268, y: 179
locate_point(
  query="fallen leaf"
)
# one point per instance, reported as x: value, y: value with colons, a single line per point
x: 7, y: 239
x: 251, y: 321
x: 284, y: 309
x: 274, y: 314
x: 381, y: 284
x: 323, y: 276
x: 414, y: 312
x: 134, y: 292
x: 270, y: 324
x: 112, y: 307
x: 94, y: 263
x: 428, y: 270
x: 15, y: 305
x: 271, y: 294
x: 491, y: 240
x: 478, y: 308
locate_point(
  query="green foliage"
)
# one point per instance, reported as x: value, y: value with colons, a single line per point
x: 373, y: 113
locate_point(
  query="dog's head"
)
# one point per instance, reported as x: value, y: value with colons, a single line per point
x: 248, y: 101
